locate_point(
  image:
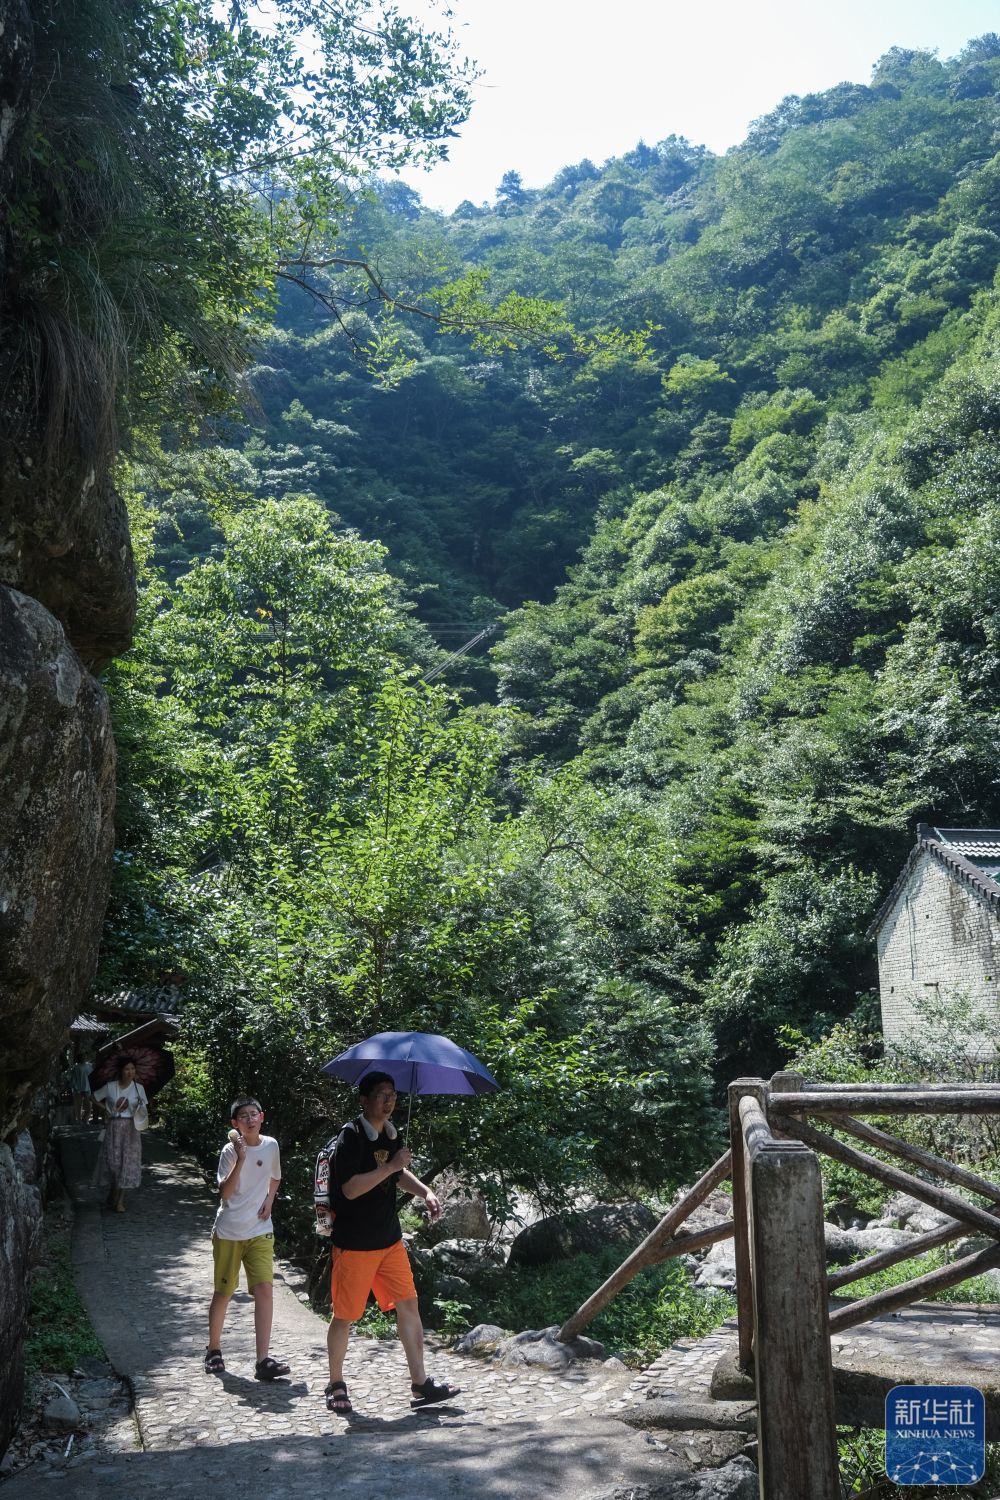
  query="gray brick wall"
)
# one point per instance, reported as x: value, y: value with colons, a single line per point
x: 939, y: 940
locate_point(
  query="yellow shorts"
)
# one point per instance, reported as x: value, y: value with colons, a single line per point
x: 355, y: 1273
x: 255, y: 1255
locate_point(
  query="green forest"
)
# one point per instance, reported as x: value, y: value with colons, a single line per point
x: 710, y: 442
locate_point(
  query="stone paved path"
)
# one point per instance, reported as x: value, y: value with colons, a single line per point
x: 685, y: 1369
x: 145, y: 1277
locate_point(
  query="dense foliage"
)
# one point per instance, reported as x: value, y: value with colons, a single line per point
x: 746, y: 555
x: 168, y: 166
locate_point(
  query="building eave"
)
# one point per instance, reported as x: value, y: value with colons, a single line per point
x: 981, y: 885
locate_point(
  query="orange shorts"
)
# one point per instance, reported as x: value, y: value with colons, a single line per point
x: 355, y: 1273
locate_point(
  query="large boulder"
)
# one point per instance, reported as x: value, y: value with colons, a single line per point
x: 463, y: 1212
x: 585, y: 1230
x: 482, y: 1341
x: 910, y: 1214
x: 67, y: 544
x: 57, y: 791
x: 717, y: 1271
x: 716, y: 1208
x: 542, y: 1346
x: 846, y: 1245
x: 21, y: 1217
x: 472, y: 1260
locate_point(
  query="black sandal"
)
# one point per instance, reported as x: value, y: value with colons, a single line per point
x: 214, y: 1363
x: 337, y: 1398
x: 431, y: 1391
x: 270, y: 1369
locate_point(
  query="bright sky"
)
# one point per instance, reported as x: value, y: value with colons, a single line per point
x: 565, y: 79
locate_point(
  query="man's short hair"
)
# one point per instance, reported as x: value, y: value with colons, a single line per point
x: 371, y: 1081
x: 247, y: 1102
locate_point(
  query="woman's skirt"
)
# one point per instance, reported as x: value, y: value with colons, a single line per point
x: 119, y: 1164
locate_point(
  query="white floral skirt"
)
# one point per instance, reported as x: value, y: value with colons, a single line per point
x: 119, y: 1163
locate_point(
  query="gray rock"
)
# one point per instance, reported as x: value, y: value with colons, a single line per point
x: 61, y: 1414
x: 464, y: 1257
x: 481, y: 1340
x: 98, y: 1395
x: 972, y: 1245
x: 452, y: 1289
x: 463, y: 1212
x: 729, y: 1382
x: 718, y: 1205
x: 472, y: 1260
x: 65, y: 541
x: 911, y: 1214
x: 844, y: 1245
x: 676, y: 1414
x: 584, y: 1230
x: 541, y: 1346
x: 21, y: 1217
x: 523, y: 1209
x: 735, y: 1480
x: 57, y: 789
x: 718, y: 1269
x: 25, y: 1159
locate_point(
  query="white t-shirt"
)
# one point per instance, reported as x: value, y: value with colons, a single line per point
x: 112, y: 1091
x: 237, y: 1216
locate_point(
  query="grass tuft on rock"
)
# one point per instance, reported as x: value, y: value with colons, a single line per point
x: 59, y: 1332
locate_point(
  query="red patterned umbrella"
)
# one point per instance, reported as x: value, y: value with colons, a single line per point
x: 154, y: 1067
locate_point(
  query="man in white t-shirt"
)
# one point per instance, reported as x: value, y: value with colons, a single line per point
x: 243, y: 1235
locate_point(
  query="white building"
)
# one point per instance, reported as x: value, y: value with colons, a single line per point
x: 938, y: 935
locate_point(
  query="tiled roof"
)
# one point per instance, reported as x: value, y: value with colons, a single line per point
x: 973, y: 843
x: 970, y: 855
x: 87, y: 1024
x: 149, y: 1000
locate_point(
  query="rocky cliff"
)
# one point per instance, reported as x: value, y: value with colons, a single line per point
x: 67, y: 604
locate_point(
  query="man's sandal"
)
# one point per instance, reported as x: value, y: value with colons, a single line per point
x: 431, y: 1391
x: 270, y: 1369
x: 337, y: 1398
x: 214, y: 1363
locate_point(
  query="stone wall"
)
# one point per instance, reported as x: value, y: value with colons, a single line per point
x: 939, y: 940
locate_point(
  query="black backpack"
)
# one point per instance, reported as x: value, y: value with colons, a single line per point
x: 323, y: 1183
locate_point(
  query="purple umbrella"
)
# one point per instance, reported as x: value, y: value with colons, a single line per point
x: 418, y: 1062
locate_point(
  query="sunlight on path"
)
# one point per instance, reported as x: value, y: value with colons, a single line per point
x: 146, y: 1278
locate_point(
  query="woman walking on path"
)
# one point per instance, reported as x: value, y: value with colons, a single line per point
x: 119, y: 1165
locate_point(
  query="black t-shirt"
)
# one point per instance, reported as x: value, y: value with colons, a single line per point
x: 370, y: 1222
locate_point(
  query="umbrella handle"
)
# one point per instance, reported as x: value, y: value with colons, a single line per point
x: 409, y: 1107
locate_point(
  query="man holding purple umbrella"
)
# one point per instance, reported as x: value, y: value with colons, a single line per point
x: 369, y: 1161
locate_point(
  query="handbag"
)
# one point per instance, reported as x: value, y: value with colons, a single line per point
x: 141, y: 1117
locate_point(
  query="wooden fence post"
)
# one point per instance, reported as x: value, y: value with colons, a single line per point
x: 793, y: 1364
x: 739, y: 1089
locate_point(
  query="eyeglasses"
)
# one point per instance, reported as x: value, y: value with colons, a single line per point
x: 385, y: 1095
x: 249, y: 1114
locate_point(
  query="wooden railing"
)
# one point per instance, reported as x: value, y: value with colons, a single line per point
x: 661, y: 1244
x: 782, y: 1284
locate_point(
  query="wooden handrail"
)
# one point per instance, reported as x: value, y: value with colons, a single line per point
x: 895, y: 1088
x: 698, y: 1239
x: 948, y: 1170
x: 925, y: 1192
x: 649, y: 1252
x: 979, y: 1101
x: 915, y: 1290
x: 883, y: 1259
